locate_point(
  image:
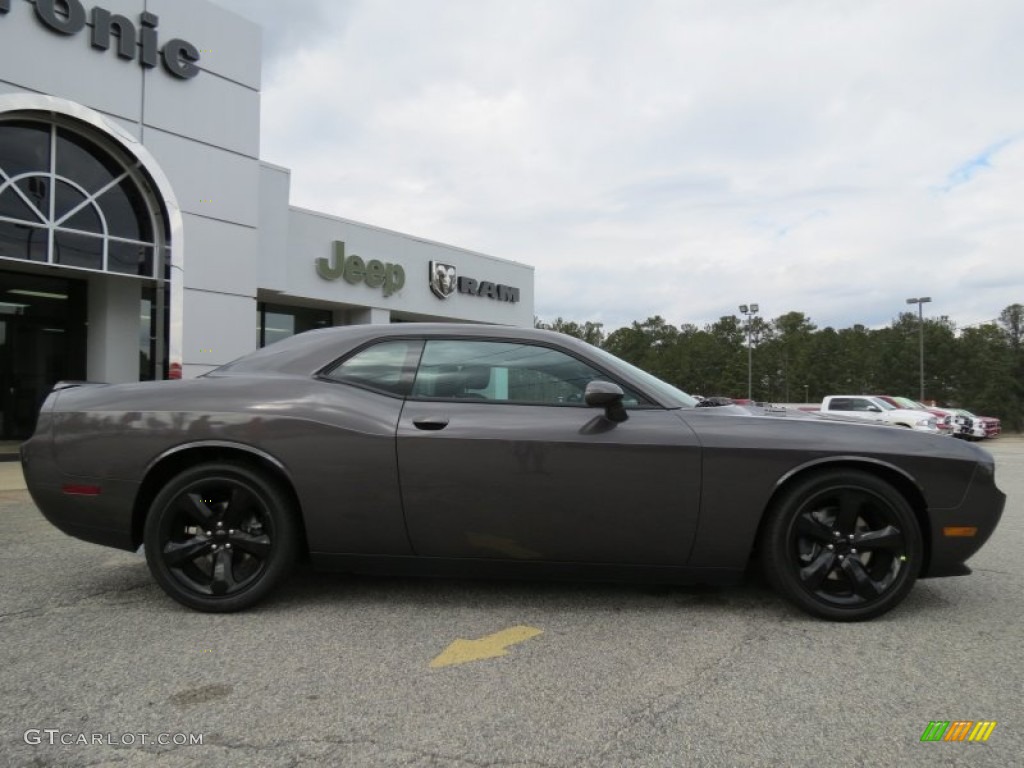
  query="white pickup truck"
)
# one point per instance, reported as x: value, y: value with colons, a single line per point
x: 875, y: 409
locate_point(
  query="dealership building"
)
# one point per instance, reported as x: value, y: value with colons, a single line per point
x: 141, y: 236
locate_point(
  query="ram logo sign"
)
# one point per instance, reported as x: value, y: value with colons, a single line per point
x: 444, y: 281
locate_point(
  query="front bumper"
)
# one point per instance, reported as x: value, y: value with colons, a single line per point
x: 981, y: 508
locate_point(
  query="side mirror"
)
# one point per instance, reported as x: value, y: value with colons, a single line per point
x: 605, y: 394
x: 874, y: 409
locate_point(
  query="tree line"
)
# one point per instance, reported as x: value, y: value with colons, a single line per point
x: 980, y: 367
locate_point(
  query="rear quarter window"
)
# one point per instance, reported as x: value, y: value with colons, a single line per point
x: 388, y: 367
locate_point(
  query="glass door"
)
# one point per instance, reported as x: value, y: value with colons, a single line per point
x: 42, y: 341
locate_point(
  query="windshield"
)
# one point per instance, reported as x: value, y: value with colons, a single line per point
x: 671, y: 395
x: 906, y: 402
x: 883, y: 404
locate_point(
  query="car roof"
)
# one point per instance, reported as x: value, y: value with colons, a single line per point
x: 309, y: 351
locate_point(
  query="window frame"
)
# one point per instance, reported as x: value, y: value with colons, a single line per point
x: 646, y: 401
x: 46, y: 219
x: 407, y: 375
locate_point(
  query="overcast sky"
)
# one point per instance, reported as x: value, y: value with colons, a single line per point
x: 672, y: 157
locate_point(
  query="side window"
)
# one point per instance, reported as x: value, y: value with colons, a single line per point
x: 503, y: 372
x: 386, y: 367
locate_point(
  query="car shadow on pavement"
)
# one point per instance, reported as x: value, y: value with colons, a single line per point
x: 307, y: 587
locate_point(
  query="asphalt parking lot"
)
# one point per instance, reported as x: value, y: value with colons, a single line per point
x: 343, y: 671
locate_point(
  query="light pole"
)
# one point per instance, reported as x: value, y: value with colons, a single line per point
x: 920, y: 322
x: 749, y: 312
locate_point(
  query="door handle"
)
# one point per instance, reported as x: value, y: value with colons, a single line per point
x: 430, y: 423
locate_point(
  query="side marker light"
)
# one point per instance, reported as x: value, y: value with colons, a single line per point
x: 80, y: 490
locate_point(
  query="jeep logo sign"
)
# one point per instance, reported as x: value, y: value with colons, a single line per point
x: 68, y: 17
x: 376, y: 274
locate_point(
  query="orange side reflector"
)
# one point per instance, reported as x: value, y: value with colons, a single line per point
x: 963, y: 530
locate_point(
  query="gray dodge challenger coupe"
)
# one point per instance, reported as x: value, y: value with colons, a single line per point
x: 466, y: 450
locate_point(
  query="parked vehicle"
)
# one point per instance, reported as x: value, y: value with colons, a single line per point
x: 968, y: 426
x: 497, y: 452
x: 875, y: 409
x: 992, y: 425
x: 943, y: 416
x: 715, y: 401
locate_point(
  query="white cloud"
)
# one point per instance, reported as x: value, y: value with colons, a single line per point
x: 672, y: 157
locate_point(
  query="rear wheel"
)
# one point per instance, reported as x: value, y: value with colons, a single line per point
x: 842, y: 545
x: 220, y: 536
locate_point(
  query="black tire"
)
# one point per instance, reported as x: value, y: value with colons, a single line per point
x: 842, y: 545
x: 220, y: 536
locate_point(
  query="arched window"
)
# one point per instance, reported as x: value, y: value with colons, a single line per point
x: 67, y: 200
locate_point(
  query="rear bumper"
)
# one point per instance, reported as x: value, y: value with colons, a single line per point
x: 102, y: 518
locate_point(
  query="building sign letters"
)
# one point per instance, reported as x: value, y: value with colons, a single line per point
x: 444, y: 282
x: 390, y: 278
x: 376, y: 274
x: 68, y: 17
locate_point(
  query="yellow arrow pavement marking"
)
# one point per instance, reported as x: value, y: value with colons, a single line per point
x: 487, y: 647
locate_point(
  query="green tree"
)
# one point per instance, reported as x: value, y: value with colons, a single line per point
x: 986, y: 382
x: 592, y: 333
x: 942, y: 364
x: 858, y: 365
x: 980, y: 368
x: 1012, y: 321
x: 649, y: 345
x: 725, y: 366
x: 826, y: 375
x: 787, y: 351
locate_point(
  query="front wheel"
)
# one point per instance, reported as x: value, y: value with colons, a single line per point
x: 842, y: 545
x: 220, y: 536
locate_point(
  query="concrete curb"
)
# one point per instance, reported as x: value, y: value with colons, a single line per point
x: 11, y: 478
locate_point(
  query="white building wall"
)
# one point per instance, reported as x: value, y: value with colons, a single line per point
x: 240, y: 239
x: 311, y: 236
x: 205, y: 133
x: 208, y: 182
x: 231, y: 46
x: 272, y: 266
x: 40, y: 60
x: 230, y: 325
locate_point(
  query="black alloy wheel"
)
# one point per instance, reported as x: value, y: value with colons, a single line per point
x: 220, y: 536
x: 843, y: 545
